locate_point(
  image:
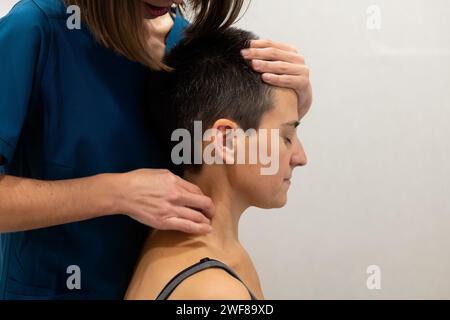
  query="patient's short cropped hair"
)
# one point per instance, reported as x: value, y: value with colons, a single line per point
x: 210, y: 80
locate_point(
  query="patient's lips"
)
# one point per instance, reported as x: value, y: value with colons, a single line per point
x: 287, y: 180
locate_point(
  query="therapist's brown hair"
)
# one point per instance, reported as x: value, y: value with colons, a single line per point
x: 119, y: 24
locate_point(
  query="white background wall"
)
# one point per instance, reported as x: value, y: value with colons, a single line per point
x: 377, y: 187
x: 5, y: 5
x: 376, y: 190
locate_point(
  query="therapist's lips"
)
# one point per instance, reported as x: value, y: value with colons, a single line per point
x: 154, y: 11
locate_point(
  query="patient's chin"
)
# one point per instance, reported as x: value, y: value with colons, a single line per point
x: 274, y: 203
x: 281, y: 201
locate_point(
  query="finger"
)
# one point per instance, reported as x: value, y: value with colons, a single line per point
x: 298, y: 83
x: 279, y: 67
x: 265, y: 43
x: 186, y: 185
x: 272, y: 54
x: 186, y: 226
x: 197, y: 202
x: 192, y: 215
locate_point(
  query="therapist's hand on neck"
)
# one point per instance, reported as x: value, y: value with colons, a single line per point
x: 156, y: 198
x: 281, y: 66
x: 162, y: 200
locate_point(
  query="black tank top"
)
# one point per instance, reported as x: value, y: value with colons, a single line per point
x: 205, y: 263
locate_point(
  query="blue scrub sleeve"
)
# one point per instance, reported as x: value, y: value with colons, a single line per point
x: 21, y: 49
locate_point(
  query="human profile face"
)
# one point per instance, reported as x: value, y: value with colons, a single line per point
x: 157, y: 8
x: 270, y: 191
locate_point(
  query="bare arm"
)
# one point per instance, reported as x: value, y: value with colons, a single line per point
x: 27, y: 204
x: 156, y: 198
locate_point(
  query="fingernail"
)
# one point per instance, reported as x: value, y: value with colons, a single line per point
x: 256, y: 63
x: 245, y: 52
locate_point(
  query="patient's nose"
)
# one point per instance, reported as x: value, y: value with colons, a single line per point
x: 298, y: 158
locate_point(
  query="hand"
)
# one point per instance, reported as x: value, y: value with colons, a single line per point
x: 164, y: 201
x: 282, y: 66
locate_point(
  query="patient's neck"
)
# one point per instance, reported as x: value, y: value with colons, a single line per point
x: 214, y: 183
x: 229, y: 205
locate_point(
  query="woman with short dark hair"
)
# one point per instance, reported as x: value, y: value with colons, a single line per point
x: 245, y: 134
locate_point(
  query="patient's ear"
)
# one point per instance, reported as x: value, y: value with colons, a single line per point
x: 226, y: 139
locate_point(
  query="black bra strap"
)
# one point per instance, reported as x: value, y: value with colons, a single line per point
x: 200, y: 266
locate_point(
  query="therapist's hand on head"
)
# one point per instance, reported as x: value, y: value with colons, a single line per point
x: 282, y: 66
x: 164, y: 201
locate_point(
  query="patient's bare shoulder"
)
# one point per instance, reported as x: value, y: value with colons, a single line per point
x: 211, y: 284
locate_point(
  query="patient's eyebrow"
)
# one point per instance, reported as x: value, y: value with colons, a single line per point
x: 294, y: 124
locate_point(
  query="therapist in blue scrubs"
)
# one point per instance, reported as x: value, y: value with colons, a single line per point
x: 81, y: 176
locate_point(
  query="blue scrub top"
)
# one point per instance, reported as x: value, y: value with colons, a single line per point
x: 70, y: 108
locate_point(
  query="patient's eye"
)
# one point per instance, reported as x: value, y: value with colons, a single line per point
x: 289, y: 132
x: 288, y: 140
